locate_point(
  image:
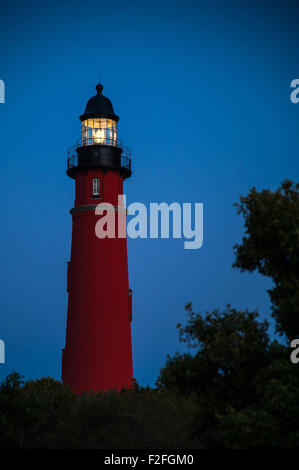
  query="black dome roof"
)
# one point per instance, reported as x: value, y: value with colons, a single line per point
x: 99, y: 106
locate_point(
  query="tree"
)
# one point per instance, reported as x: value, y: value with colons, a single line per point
x: 46, y: 414
x: 231, y: 347
x: 13, y: 413
x: 271, y: 246
x: 31, y: 411
x: 245, y: 385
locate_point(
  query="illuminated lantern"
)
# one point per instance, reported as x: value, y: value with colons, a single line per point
x: 98, y: 350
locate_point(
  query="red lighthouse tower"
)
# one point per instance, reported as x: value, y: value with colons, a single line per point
x: 98, y: 350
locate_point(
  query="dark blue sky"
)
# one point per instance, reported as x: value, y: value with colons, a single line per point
x: 202, y: 90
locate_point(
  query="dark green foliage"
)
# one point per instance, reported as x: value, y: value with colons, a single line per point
x: 46, y: 414
x: 244, y: 386
x: 30, y: 411
x: 230, y: 347
x: 13, y: 414
x: 271, y: 246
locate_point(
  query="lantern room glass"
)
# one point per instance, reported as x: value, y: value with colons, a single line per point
x: 99, y: 131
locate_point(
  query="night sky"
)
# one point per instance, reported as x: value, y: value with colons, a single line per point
x: 203, y: 94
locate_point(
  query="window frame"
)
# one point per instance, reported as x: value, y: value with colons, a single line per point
x: 96, y: 187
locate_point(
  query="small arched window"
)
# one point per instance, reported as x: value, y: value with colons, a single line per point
x: 96, y: 187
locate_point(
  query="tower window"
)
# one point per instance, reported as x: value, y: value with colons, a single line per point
x: 96, y: 187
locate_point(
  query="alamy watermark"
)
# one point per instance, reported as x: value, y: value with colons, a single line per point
x: 294, y: 96
x: 2, y: 352
x: 295, y: 354
x: 2, y: 91
x: 162, y: 220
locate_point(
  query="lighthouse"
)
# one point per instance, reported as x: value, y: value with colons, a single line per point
x: 98, y: 348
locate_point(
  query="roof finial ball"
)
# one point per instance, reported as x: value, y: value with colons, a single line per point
x: 99, y: 88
